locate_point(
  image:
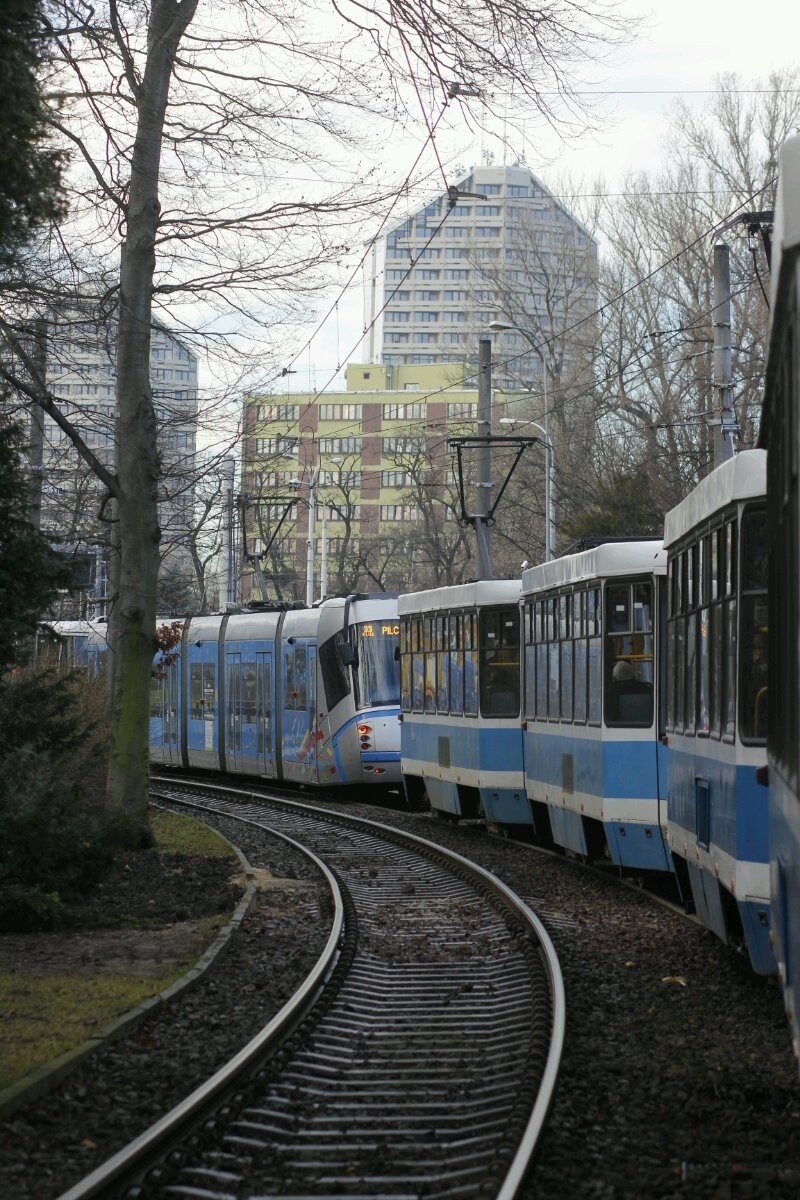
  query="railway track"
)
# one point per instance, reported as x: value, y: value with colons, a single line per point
x: 420, y: 1059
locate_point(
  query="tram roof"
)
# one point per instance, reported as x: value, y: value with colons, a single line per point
x: 601, y: 562
x: 462, y: 595
x: 740, y: 478
x: 786, y: 229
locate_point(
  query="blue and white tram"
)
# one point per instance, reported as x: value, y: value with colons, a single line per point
x: 80, y: 644
x: 595, y: 771
x: 780, y: 434
x: 461, y: 742
x: 303, y: 695
x: 717, y: 702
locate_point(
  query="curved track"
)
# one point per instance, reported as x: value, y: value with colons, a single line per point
x: 428, y: 1061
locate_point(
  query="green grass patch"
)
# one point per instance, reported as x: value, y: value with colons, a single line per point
x: 177, y: 834
x: 46, y: 1015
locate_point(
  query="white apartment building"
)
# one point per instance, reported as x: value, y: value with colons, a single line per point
x: 501, y: 248
x: 80, y: 371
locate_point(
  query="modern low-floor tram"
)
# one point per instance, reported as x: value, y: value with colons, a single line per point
x: 309, y: 696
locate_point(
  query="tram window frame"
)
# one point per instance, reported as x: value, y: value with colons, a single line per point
x: 499, y: 632
x: 406, y: 684
x: 429, y: 651
x: 417, y: 667
x: 442, y: 630
x: 471, y: 660
x: 629, y: 637
x: 456, y: 663
x: 753, y: 600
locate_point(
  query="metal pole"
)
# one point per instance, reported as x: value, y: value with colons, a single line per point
x: 548, y: 470
x: 311, y: 543
x: 227, y: 583
x: 484, y: 459
x: 323, y: 562
x: 725, y: 427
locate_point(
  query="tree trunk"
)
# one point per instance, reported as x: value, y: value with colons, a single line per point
x: 136, y: 450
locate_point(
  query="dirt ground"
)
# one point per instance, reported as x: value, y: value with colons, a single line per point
x: 172, y: 896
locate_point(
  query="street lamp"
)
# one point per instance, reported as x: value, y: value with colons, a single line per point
x: 549, y: 482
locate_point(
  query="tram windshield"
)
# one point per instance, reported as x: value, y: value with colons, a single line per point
x: 378, y: 670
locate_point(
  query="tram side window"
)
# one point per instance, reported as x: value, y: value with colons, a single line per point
x: 499, y: 662
x: 202, y: 691
x: 405, y: 665
x: 429, y: 646
x: 418, y: 665
x: 456, y: 663
x: 753, y: 626
x: 530, y: 660
x: 335, y: 675
x: 442, y: 663
x: 629, y: 654
x: 471, y: 664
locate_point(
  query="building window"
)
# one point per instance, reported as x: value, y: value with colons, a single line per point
x: 340, y: 445
x: 425, y: 339
x: 454, y: 316
x: 275, y: 445
x: 340, y: 412
x: 462, y: 410
x: 277, y: 412
x: 395, y: 479
x: 402, y: 445
x: 425, y: 317
x: 396, y: 318
x: 399, y: 512
x: 424, y: 294
x: 403, y: 412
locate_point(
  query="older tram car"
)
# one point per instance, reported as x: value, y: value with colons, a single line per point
x: 717, y: 702
x: 780, y: 434
x: 595, y: 771
x: 460, y: 699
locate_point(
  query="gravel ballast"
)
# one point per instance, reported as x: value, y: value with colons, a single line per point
x: 677, y: 1079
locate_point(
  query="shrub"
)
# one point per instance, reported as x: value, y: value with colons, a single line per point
x: 55, y: 842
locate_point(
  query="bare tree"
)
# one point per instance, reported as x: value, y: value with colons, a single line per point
x: 178, y: 134
x: 653, y: 394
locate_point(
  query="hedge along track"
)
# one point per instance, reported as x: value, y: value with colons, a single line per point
x: 420, y: 1059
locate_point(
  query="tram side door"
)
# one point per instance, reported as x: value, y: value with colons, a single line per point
x: 170, y: 715
x: 265, y: 714
x: 233, y: 714
x: 662, y: 667
x: 314, y: 734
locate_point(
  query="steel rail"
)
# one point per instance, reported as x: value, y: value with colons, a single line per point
x: 169, y: 1128
x: 528, y: 1143
x: 183, y: 1114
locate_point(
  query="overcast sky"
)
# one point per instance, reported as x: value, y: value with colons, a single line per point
x: 681, y: 46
